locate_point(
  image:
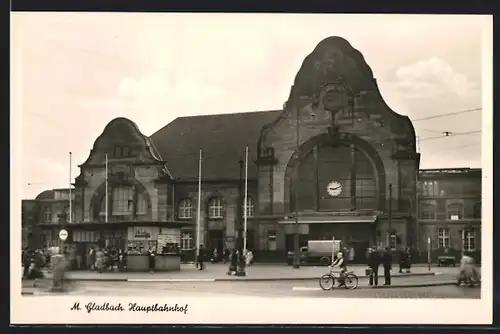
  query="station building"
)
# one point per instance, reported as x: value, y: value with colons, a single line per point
x: 335, y: 154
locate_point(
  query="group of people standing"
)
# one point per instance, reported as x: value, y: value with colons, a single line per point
x: 231, y: 256
x: 106, y: 259
x: 383, y: 257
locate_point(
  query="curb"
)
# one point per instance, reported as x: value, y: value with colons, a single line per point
x: 414, y: 285
x: 228, y: 279
x: 383, y: 287
x: 265, y: 279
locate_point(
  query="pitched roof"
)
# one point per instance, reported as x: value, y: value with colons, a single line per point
x: 221, y: 137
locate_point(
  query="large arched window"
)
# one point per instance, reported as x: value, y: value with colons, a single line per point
x: 250, y: 207
x: 185, y: 209
x: 347, y: 169
x: 142, y: 205
x: 123, y: 203
x: 215, y: 208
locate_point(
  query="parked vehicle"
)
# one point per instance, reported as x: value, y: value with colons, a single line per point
x: 316, y: 252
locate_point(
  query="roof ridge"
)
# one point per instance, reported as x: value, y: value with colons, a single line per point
x: 231, y: 114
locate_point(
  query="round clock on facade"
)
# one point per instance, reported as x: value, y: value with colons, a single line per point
x: 334, y: 188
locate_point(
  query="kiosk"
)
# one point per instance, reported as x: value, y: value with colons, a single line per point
x: 163, y: 243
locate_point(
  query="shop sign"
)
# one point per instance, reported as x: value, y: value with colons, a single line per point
x: 142, y: 233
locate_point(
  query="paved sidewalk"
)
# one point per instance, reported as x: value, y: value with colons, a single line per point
x: 218, y: 272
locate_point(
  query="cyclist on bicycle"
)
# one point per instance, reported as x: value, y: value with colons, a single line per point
x: 342, y: 265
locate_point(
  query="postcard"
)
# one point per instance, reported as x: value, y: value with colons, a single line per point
x: 251, y: 168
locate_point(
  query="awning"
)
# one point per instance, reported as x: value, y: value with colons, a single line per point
x: 331, y: 220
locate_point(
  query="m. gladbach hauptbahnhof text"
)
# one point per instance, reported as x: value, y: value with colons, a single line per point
x: 358, y: 176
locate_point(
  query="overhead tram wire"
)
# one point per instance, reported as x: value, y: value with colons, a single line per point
x: 447, y: 114
x: 448, y: 134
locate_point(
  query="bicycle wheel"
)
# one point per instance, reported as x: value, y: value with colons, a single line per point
x: 326, y: 282
x: 351, y: 281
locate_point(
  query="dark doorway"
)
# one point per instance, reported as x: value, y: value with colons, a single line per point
x: 215, y: 240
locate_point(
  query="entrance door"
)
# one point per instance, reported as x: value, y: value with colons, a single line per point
x: 215, y: 240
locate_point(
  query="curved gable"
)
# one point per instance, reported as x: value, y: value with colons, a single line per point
x: 123, y: 132
x: 334, y: 62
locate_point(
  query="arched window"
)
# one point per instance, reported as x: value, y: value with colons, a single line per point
x: 250, y: 207
x: 47, y: 214
x: 123, y: 201
x: 215, y: 208
x: 185, y: 209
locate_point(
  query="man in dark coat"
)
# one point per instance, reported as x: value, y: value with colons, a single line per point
x: 201, y: 257
x: 387, y: 261
x: 373, y: 263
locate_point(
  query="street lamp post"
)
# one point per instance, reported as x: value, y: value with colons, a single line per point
x: 296, y: 258
x: 241, y: 259
x: 390, y: 234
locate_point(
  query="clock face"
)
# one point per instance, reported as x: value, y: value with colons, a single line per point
x: 334, y: 188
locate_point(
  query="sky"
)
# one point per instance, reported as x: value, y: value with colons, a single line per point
x: 72, y: 73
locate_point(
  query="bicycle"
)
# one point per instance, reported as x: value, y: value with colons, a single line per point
x: 327, y: 281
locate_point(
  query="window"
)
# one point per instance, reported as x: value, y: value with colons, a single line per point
x: 142, y: 204
x: 443, y: 238
x: 125, y: 151
x: 271, y: 240
x: 215, y: 208
x: 469, y: 240
x: 186, y: 241
x: 430, y: 188
x: 365, y: 193
x: 455, y: 211
x: 117, y: 151
x: 428, y: 210
x: 185, y: 209
x: 47, y: 214
x: 250, y: 206
x: 123, y: 201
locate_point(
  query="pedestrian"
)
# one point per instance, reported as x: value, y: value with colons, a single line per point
x: 373, y: 263
x: 215, y: 256
x: 249, y: 258
x: 387, y: 261
x: 99, y: 260
x: 78, y: 261
x: 152, y: 255
x: 404, y: 262
x: 26, y: 259
x: 201, y: 255
x: 91, y: 259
